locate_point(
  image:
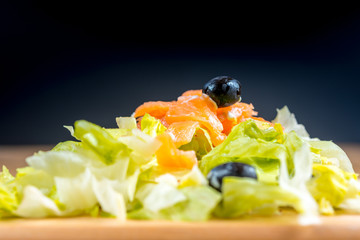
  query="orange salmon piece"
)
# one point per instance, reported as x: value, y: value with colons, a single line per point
x: 234, y: 114
x: 168, y: 156
x: 192, y: 93
x: 200, y: 109
x: 182, y: 132
x: 156, y: 109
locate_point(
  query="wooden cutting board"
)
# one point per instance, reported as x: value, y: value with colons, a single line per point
x: 285, y: 227
x: 280, y: 227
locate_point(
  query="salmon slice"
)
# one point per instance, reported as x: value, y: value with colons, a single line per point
x: 170, y: 157
x: 193, y: 106
x: 234, y: 114
x: 200, y: 109
x: 156, y: 109
x: 182, y: 132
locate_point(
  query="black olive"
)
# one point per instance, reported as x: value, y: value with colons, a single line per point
x: 235, y: 169
x: 224, y: 90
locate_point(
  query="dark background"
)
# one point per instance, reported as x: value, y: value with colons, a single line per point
x: 62, y: 62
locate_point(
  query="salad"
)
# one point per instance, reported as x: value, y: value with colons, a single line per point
x: 205, y: 155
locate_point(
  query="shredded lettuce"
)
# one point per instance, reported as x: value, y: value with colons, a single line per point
x: 151, y: 125
x: 249, y: 144
x: 36, y: 205
x: 99, y: 171
x: 8, y: 198
x: 247, y: 196
x: 114, y: 172
x: 99, y: 140
x: 193, y: 203
x: 200, y: 143
x: 71, y: 146
x: 329, y: 150
x: 282, y: 161
x: 331, y: 186
x: 289, y: 122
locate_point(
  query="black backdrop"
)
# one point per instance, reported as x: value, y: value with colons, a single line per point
x: 61, y: 62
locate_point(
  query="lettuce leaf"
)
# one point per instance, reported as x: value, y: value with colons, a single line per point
x: 196, y: 204
x: 331, y: 186
x: 113, y: 172
x: 200, y: 143
x: 247, y: 196
x: 151, y: 125
x: 8, y: 194
x: 71, y: 146
x: 126, y: 123
x: 323, y: 149
x: 282, y: 160
x: 76, y: 193
x: 59, y: 163
x: 97, y: 175
x: 110, y: 200
x: 36, y: 205
x: 38, y: 178
x: 249, y: 144
x: 99, y: 140
x: 330, y: 150
x: 289, y: 122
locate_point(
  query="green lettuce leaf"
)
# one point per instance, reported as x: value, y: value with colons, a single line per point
x: 36, y: 205
x: 76, y: 192
x: 8, y: 194
x: 330, y: 186
x: 97, y: 175
x: 249, y: 144
x: 151, y: 125
x: 71, y: 146
x: 280, y: 159
x: 200, y: 143
x: 110, y: 200
x: 99, y: 140
x: 289, y: 122
x: 38, y: 178
x: 59, y: 163
x: 196, y: 204
x: 330, y: 150
x: 126, y: 123
x: 247, y: 196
